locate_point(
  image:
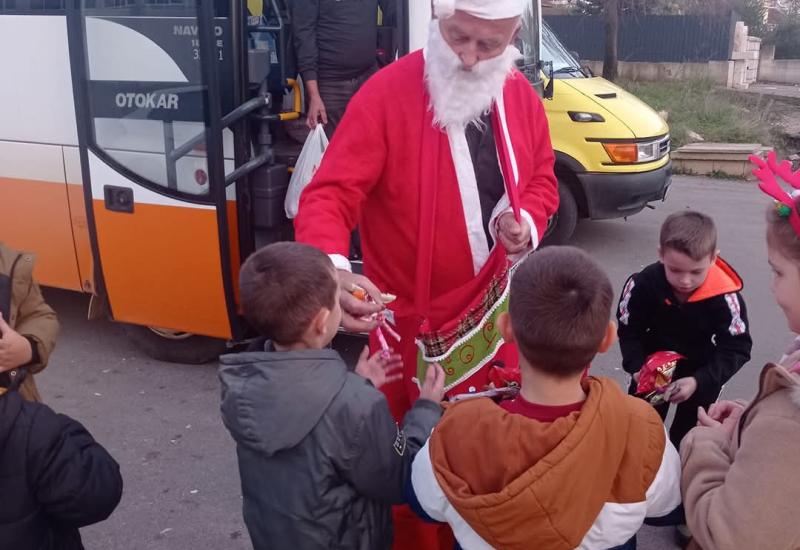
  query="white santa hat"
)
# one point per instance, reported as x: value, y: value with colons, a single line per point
x: 482, y: 9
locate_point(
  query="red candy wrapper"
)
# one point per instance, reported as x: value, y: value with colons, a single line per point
x: 656, y: 376
x: 503, y: 377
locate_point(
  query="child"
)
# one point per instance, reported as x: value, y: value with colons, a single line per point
x: 54, y: 477
x: 571, y: 462
x: 321, y: 459
x: 739, y: 466
x: 688, y: 302
x: 28, y: 326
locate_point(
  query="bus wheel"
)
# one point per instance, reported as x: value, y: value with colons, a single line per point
x: 174, y: 346
x: 563, y: 223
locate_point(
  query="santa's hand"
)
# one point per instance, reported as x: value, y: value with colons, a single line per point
x: 515, y: 236
x: 354, y: 311
x: 15, y: 349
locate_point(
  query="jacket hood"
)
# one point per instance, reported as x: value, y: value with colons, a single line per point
x: 272, y: 400
x: 722, y: 279
x: 554, y: 478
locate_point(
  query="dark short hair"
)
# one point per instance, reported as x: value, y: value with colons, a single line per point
x: 282, y: 288
x: 560, y: 305
x: 781, y: 233
x: 691, y: 233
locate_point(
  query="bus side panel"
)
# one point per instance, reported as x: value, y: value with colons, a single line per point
x: 34, y: 210
x: 37, y: 118
x: 80, y: 224
x: 147, y: 282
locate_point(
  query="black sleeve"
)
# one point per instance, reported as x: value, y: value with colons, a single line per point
x: 733, y: 343
x: 382, y: 458
x: 633, y: 315
x: 304, y: 34
x: 75, y: 480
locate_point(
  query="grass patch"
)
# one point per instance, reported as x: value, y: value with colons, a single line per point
x: 715, y: 113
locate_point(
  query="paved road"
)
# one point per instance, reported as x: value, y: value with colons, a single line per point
x: 161, y: 421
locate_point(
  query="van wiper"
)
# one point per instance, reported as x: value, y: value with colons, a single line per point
x: 564, y: 70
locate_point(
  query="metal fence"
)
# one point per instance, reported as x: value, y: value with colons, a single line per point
x: 652, y: 38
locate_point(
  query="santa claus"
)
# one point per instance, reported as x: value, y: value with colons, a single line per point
x: 443, y: 160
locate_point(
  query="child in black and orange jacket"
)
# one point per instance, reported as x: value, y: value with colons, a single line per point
x: 688, y: 302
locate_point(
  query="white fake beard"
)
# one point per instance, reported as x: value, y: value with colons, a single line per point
x: 459, y: 96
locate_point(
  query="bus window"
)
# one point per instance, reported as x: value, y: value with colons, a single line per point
x: 146, y: 99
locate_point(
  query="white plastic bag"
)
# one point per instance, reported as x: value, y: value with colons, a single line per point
x: 307, y: 164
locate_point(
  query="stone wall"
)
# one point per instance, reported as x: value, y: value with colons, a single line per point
x: 721, y: 72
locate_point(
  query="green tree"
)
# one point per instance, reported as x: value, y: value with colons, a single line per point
x: 754, y: 15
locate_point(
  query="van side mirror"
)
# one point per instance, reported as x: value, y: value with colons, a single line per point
x: 546, y: 67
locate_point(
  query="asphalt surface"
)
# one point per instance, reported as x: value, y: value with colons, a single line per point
x: 162, y: 423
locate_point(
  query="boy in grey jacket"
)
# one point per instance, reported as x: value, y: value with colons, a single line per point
x: 321, y: 459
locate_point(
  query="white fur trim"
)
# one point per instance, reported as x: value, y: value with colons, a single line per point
x: 483, y: 9
x: 501, y: 110
x: 434, y: 502
x: 470, y: 198
x: 340, y: 262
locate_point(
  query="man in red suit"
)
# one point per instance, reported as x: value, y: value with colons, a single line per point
x: 427, y: 126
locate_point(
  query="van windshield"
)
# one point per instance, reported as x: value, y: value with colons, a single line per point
x: 553, y: 50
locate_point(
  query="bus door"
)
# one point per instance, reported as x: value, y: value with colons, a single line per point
x: 152, y: 80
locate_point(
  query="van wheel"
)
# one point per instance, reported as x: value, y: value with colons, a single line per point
x: 174, y: 346
x: 562, y: 225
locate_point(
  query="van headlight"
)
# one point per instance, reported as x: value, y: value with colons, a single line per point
x: 621, y: 152
x: 581, y: 116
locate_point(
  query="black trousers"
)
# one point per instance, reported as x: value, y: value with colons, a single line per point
x: 336, y: 94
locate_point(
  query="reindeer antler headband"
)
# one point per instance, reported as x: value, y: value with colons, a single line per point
x: 766, y: 172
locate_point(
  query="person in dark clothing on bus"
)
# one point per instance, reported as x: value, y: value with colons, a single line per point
x: 335, y: 43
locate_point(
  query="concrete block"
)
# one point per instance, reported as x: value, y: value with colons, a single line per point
x: 699, y: 167
x: 733, y: 168
x: 731, y: 159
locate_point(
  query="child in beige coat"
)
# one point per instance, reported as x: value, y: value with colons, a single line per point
x: 740, y: 463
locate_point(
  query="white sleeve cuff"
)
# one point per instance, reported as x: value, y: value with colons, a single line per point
x: 340, y: 262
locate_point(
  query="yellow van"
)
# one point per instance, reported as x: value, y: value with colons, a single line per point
x: 612, y: 150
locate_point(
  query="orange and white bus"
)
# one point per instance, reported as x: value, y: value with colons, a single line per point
x: 144, y: 152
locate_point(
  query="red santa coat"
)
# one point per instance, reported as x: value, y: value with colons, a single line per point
x: 373, y: 173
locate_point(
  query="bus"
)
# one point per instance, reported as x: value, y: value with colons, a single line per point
x: 146, y: 148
